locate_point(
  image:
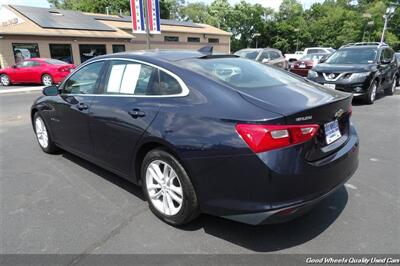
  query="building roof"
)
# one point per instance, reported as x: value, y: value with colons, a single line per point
x: 56, y: 22
x: 25, y: 26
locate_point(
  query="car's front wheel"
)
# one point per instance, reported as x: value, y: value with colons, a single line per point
x: 47, y: 80
x: 370, y: 96
x: 5, y: 80
x: 42, y: 134
x: 168, y: 189
x: 392, y: 89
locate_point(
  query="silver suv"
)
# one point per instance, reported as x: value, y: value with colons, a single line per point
x: 268, y: 56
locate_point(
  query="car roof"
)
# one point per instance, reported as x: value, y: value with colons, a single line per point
x: 163, y: 55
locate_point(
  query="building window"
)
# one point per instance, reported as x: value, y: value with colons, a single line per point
x: 171, y: 38
x: 24, y: 51
x: 118, y: 48
x: 87, y: 51
x: 193, y: 39
x: 213, y: 40
x: 61, y: 52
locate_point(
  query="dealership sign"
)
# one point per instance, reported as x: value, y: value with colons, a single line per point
x: 8, y: 18
x: 139, y: 19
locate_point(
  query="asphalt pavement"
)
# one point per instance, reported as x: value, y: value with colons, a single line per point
x: 65, y: 205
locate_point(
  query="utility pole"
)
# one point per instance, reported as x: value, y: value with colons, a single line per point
x: 388, y: 15
x: 147, y: 22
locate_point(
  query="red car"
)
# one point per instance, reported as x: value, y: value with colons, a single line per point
x: 44, y: 71
x: 305, y: 63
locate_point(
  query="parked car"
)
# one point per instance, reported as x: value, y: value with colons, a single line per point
x: 44, y: 71
x: 311, y: 50
x: 204, y: 133
x: 305, y: 63
x: 363, y: 69
x: 268, y: 56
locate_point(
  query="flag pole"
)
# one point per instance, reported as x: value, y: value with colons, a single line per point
x: 146, y: 6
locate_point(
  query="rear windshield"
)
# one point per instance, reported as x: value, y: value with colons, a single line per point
x: 239, y: 73
x: 353, y: 56
x: 55, y: 62
x: 248, y: 54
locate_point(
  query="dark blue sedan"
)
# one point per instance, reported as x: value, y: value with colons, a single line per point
x: 204, y: 133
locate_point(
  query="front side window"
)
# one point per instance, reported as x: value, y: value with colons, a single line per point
x: 85, y: 80
x: 264, y: 55
x: 274, y: 55
x: 249, y: 54
x: 24, y: 51
x: 131, y: 78
x: 387, y: 55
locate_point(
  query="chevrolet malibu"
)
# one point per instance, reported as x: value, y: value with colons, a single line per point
x: 204, y: 133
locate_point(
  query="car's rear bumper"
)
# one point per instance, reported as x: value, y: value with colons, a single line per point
x: 301, y: 72
x: 283, y: 214
x: 273, y: 186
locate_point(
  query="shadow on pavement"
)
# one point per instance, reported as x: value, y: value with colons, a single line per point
x: 262, y: 238
x: 267, y: 238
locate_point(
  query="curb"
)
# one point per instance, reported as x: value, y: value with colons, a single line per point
x: 25, y: 89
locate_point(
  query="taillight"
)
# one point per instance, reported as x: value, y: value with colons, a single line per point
x: 262, y: 138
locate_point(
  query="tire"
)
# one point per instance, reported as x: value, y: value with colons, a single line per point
x: 175, y: 189
x: 47, y: 80
x: 5, y: 80
x: 392, y: 89
x: 43, y: 135
x: 370, y: 96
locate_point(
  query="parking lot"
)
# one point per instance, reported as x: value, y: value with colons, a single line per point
x: 63, y: 204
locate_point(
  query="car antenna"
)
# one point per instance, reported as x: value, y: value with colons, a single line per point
x: 208, y: 50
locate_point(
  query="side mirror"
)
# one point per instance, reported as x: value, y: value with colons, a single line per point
x: 50, y: 90
x: 323, y: 59
x: 265, y: 61
x: 386, y: 61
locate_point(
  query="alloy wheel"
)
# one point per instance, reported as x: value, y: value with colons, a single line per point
x: 5, y: 80
x: 41, y: 133
x: 164, y: 187
x: 47, y: 81
x: 373, y: 92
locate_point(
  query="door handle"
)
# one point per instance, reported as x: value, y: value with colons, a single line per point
x: 82, y: 106
x: 135, y: 113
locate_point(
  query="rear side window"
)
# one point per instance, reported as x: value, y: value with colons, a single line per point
x: 85, y: 80
x: 131, y: 78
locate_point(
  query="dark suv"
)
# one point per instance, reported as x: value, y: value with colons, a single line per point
x: 363, y: 69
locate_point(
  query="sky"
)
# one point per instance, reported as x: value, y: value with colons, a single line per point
x: 267, y: 3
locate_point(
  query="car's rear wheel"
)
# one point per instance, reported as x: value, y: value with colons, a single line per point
x: 392, y: 89
x: 5, y: 80
x: 370, y: 96
x: 42, y: 134
x: 47, y: 80
x: 168, y: 189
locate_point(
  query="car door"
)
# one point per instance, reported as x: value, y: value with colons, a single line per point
x: 72, y: 109
x: 130, y: 100
x: 32, y: 72
x: 19, y: 73
x: 385, y: 67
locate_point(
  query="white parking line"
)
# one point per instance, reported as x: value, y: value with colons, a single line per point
x: 24, y: 89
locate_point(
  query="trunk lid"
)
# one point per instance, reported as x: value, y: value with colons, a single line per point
x: 307, y: 103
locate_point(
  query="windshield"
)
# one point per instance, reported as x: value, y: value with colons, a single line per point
x: 312, y: 57
x: 331, y: 50
x: 250, y: 54
x: 55, y: 62
x: 240, y: 73
x: 353, y: 56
